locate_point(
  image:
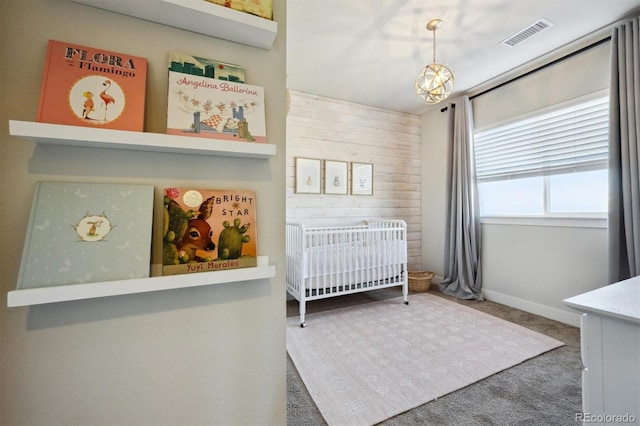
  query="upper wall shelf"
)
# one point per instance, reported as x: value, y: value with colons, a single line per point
x: 58, y: 134
x: 198, y: 16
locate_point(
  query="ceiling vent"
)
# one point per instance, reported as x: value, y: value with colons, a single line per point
x: 530, y: 31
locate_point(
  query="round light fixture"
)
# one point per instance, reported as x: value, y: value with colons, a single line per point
x: 435, y: 82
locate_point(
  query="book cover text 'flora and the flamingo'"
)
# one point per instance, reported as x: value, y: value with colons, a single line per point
x: 85, y: 86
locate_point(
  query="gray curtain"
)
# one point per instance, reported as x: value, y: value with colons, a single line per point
x: 462, y: 258
x: 624, y: 153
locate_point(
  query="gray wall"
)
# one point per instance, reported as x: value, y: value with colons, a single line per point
x: 206, y: 355
x: 530, y: 267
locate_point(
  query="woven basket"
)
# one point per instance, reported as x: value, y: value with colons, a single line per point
x: 420, y: 280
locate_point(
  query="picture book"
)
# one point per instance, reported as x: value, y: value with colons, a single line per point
x: 208, y: 230
x: 87, y: 232
x: 196, y: 65
x: 261, y: 8
x: 217, y: 109
x: 90, y: 87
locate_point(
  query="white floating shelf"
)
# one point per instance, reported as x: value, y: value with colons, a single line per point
x: 198, y: 16
x: 58, y: 134
x: 38, y: 296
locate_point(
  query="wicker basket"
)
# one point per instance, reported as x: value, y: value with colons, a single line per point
x: 420, y: 280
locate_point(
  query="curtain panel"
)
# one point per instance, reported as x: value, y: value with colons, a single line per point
x: 624, y: 152
x: 462, y: 257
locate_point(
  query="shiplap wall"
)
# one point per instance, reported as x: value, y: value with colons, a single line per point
x: 330, y: 129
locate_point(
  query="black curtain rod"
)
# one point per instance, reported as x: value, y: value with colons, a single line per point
x: 577, y: 52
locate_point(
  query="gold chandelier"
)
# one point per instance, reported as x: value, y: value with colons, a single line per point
x: 435, y: 82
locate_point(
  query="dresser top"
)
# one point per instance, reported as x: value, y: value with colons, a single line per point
x: 620, y: 300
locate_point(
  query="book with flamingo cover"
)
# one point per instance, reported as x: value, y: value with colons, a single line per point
x: 90, y: 87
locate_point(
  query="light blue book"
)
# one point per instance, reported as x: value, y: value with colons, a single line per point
x: 87, y: 232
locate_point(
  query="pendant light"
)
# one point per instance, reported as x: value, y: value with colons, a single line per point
x: 435, y: 82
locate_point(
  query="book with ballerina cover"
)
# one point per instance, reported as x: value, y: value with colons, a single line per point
x: 208, y: 230
x: 85, y: 86
x: 205, y: 67
x: 206, y: 107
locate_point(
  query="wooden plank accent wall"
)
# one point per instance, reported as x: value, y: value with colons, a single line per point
x: 330, y: 129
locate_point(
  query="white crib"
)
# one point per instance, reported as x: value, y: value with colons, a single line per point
x: 326, y: 262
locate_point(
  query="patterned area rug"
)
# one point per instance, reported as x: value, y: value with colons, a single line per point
x: 367, y: 363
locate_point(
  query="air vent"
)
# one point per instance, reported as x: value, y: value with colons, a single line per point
x: 530, y: 31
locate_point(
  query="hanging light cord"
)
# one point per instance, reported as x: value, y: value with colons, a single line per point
x: 434, y: 46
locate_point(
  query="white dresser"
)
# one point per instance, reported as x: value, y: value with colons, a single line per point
x: 610, y: 345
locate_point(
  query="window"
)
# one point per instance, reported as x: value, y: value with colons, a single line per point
x: 550, y: 163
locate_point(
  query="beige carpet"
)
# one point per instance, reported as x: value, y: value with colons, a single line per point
x: 366, y: 363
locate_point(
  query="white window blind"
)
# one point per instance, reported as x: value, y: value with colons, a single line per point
x: 558, y: 140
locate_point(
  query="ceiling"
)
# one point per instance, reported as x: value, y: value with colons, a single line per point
x: 370, y: 51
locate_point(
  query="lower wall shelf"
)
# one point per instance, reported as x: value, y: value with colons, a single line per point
x: 37, y: 296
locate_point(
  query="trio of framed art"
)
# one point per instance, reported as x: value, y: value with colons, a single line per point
x: 337, y: 180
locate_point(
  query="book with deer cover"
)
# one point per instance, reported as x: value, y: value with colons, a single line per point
x: 208, y: 230
x: 90, y: 87
x: 210, y: 108
x: 87, y: 232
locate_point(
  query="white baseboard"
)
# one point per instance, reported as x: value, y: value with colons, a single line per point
x: 533, y: 307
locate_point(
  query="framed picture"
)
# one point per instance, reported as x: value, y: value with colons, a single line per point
x: 361, y: 179
x: 307, y: 176
x: 335, y: 177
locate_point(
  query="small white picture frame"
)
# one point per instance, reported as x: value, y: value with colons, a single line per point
x: 361, y: 179
x: 335, y: 177
x: 307, y: 175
